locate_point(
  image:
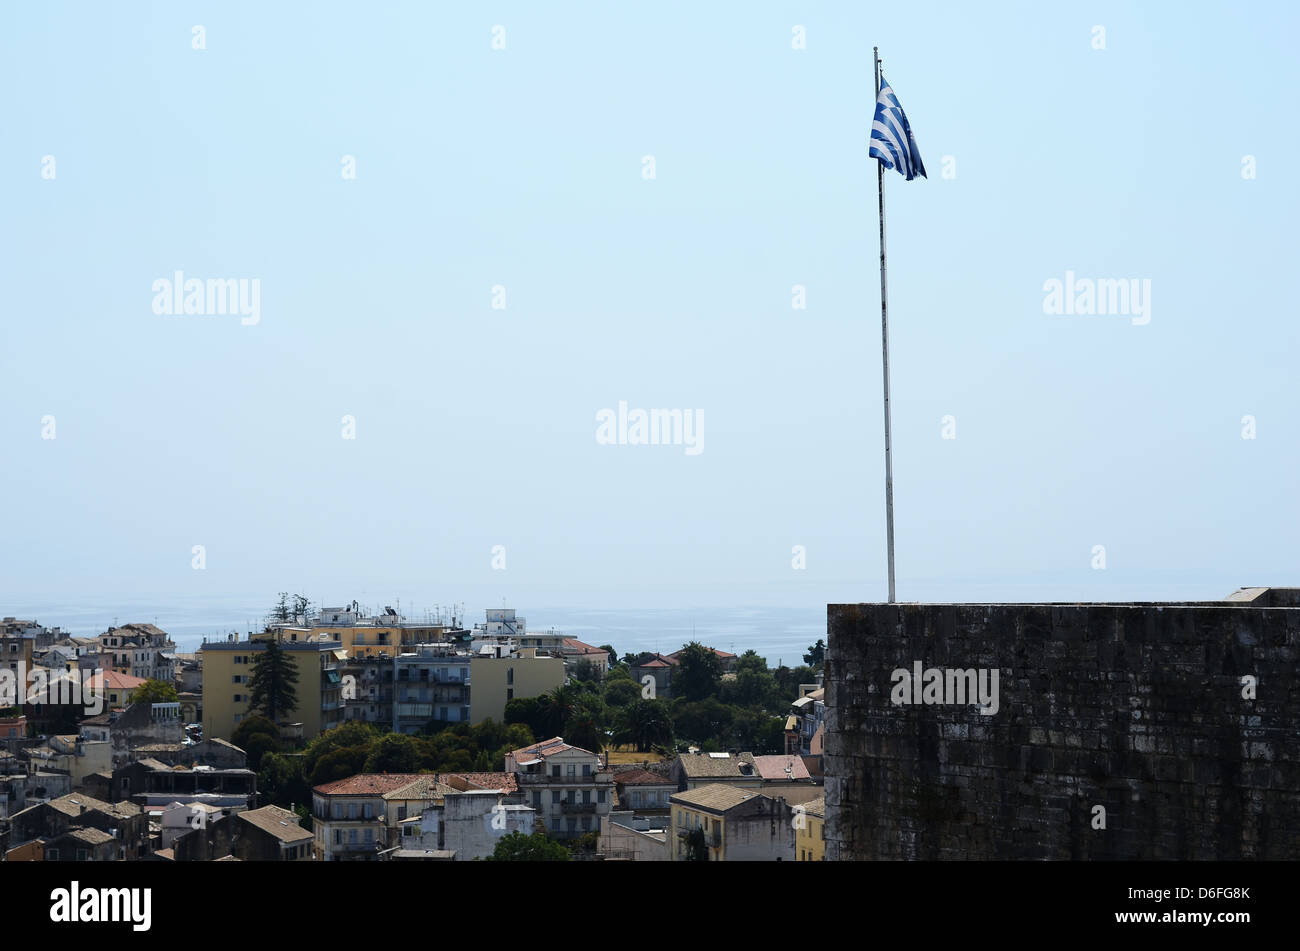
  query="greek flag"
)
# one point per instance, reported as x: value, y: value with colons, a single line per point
x: 891, y: 136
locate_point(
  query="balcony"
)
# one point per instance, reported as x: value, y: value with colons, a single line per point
x: 545, y: 779
x: 577, y: 808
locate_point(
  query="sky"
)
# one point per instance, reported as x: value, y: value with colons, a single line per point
x: 1089, y: 456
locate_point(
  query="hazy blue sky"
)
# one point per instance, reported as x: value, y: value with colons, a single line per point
x: 522, y: 167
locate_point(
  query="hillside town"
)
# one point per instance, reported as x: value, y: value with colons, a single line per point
x: 343, y: 734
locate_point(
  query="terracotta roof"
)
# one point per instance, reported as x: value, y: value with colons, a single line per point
x: 641, y: 777
x: 427, y: 786
x: 368, y: 784
x: 781, y: 767
x: 112, y: 680
x: 506, y: 781
x: 719, y: 797
x: 547, y: 748
x: 575, y: 645
x: 280, y: 823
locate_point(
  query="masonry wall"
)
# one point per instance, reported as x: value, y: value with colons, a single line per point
x: 1135, y: 708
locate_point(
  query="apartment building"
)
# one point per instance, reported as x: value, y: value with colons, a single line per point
x: 349, y: 817
x: 735, y: 824
x: 367, y: 690
x: 567, y: 786
x: 228, y: 665
x: 810, y: 831
x: 500, y: 676
x: 141, y: 650
x: 430, y: 683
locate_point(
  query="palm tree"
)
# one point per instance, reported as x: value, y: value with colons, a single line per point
x: 556, y: 708
x: 645, y: 723
x: 271, y: 685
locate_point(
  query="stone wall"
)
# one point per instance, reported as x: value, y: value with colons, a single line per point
x: 1136, y: 708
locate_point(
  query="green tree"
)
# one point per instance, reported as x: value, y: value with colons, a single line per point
x: 816, y: 655
x: 281, y: 782
x: 517, y: 847
x: 526, y: 711
x: 340, y: 764
x: 256, y: 736
x: 394, y: 753
x: 344, y: 736
x: 698, y: 672
x: 620, y: 691
x: 645, y: 724
x: 271, y: 685
x: 754, y: 685
x: 281, y: 610
x: 154, y: 691
x: 555, y: 709
x: 697, y: 849
x: 704, y: 720
x: 586, y: 672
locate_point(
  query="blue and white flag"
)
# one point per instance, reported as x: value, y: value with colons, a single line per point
x: 891, y: 136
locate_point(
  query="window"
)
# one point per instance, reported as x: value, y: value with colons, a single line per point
x: 586, y: 769
x: 370, y: 837
x: 51, y: 855
x: 83, y: 855
x: 555, y: 796
x: 338, y: 836
x: 352, y: 810
x: 537, y: 799
x: 366, y: 811
x: 352, y: 837
x: 571, y: 825
x: 586, y: 823
x: 510, y: 693
x: 586, y: 797
x: 600, y: 795
x: 510, y: 676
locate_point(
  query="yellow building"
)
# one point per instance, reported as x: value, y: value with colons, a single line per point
x: 810, y: 831
x: 116, y: 687
x: 495, y: 681
x: 736, y: 825
x: 228, y: 666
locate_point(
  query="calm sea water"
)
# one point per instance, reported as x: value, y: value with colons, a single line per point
x: 780, y: 634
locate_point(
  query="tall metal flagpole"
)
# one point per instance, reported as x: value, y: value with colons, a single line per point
x: 884, y: 349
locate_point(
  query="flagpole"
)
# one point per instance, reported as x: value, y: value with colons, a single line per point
x: 884, y: 352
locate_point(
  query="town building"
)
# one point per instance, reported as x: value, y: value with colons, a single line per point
x: 568, y: 786
x: 629, y: 837
x: 735, y: 825
x: 228, y: 665
x: 643, y: 792
x: 430, y: 683
x: 124, y: 821
x: 810, y: 831
x: 693, y: 769
x: 271, y: 834
x: 499, y: 676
